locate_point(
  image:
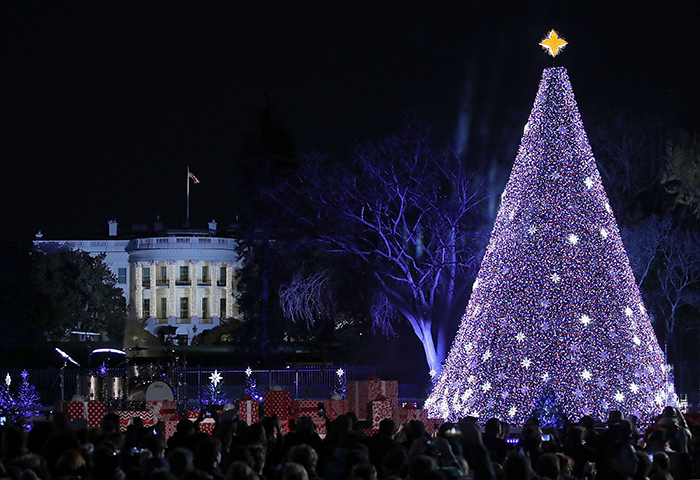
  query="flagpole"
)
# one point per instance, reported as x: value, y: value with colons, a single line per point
x: 187, y: 222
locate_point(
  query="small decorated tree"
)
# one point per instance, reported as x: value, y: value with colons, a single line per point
x: 8, y: 405
x: 213, y: 393
x: 28, y: 400
x: 339, y: 388
x: 251, y: 386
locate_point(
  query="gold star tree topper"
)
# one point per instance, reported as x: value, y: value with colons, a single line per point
x: 553, y: 44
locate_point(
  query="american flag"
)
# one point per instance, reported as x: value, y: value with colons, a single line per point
x: 191, y: 175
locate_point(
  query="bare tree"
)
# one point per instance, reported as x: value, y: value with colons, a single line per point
x: 403, y: 210
x: 679, y: 277
x: 306, y: 298
x: 630, y: 154
x: 643, y: 242
x: 682, y: 177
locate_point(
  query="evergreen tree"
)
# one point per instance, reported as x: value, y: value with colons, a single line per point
x: 78, y: 291
x: 339, y: 388
x: 8, y: 405
x: 213, y: 393
x: 251, y: 386
x: 28, y: 400
x: 555, y: 307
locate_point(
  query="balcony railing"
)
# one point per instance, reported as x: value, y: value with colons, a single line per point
x: 179, y: 242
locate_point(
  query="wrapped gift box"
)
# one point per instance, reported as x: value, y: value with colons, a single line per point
x: 358, y: 398
x: 71, y: 410
x: 408, y: 414
x: 277, y: 402
x: 170, y: 428
x: 284, y: 427
x: 360, y: 394
x: 304, y: 408
x: 309, y: 408
x: 126, y: 416
x: 194, y: 415
x: 207, y: 426
x: 336, y: 407
x: 95, y: 413
x: 248, y: 410
x: 432, y: 425
x: 320, y: 424
x: 163, y: 410
x: 379, y: 410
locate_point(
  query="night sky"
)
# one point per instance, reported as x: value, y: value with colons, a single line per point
x: 104, y: 104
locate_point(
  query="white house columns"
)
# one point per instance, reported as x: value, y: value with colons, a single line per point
x: 194, y: 298
x: 214, y: 289
x: 172, y: 292
x: 209, y: 263
x: 138, y: 291
x: 229, y: 290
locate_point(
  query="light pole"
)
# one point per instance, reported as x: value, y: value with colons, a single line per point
x: 66, y: 358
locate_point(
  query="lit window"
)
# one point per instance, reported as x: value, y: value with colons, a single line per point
x: 184, y: 307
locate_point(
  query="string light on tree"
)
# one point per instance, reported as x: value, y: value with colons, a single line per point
x: 251, y: 385
x: 584, y: 350
x: 214, y: 393
x: 340, y: 387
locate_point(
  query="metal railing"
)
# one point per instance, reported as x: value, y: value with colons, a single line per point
x: 304, y: 382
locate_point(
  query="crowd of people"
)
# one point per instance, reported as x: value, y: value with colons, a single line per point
x: 53, y: 450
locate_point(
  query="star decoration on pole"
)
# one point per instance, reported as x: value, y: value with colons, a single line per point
x: 340, y: 372
x: 8, y: 380
x: 248, y: 371
x: 553, y: 44
x: 215, y: 378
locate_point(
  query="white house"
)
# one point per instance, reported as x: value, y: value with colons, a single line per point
x: 176, y: 282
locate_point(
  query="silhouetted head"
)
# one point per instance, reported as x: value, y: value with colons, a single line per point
x: 492, y: 428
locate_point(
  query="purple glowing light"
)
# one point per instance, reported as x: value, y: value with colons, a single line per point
x: 555, y: 315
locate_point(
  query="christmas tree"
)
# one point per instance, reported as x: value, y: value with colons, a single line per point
x: 251, y: 386
x: 555, y: 321
x: 213, y: 392
x: 28, y: 400
x: 339, y: 388
x: 8, y: 405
